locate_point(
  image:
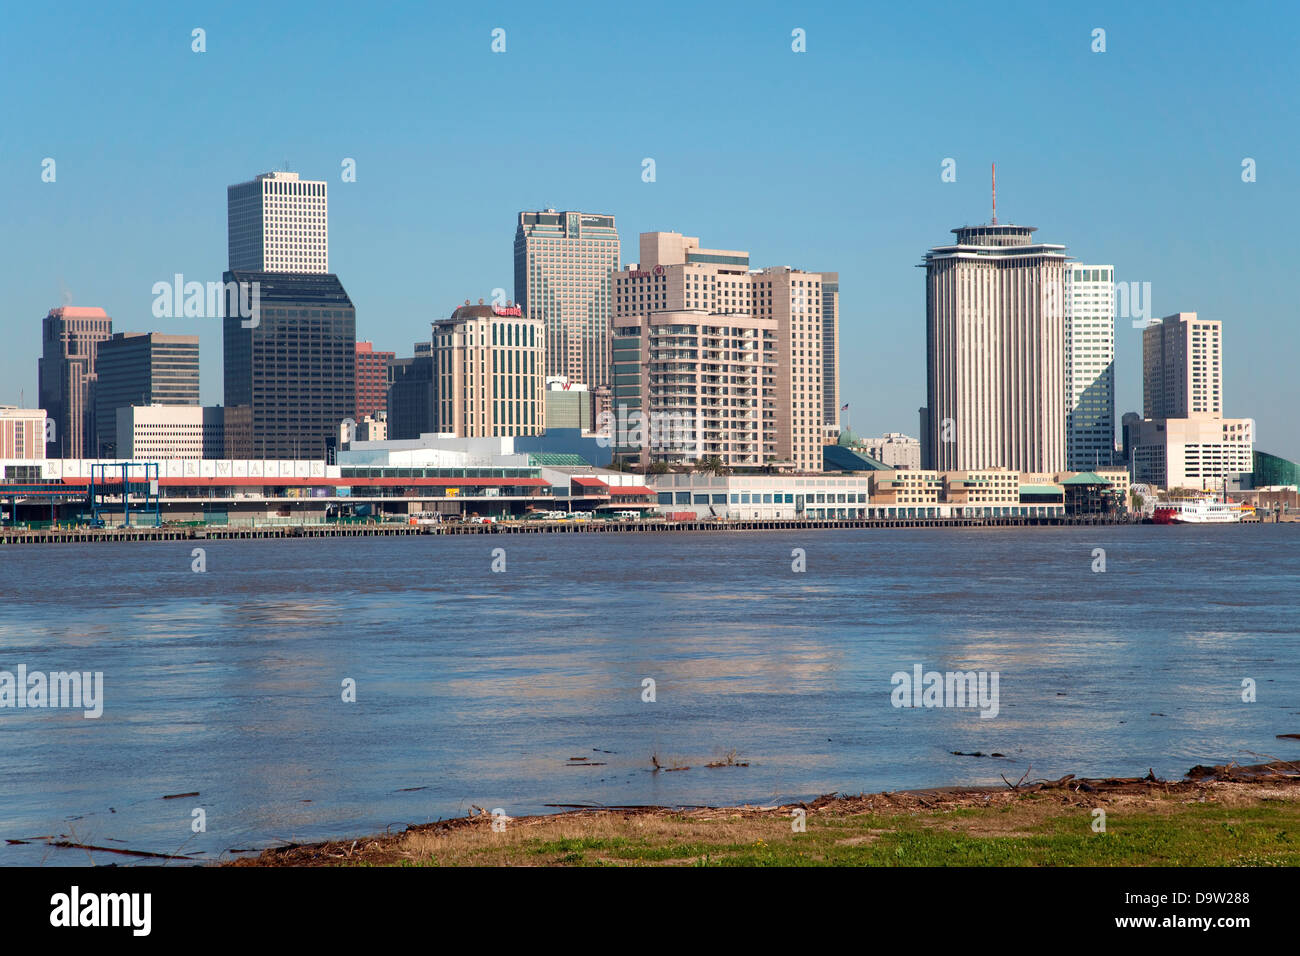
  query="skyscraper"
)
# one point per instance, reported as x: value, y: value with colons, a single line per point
x: 278, y: 223
x: 1089, y: 366
x: 564, y: 263
x: 1182, y: 370
x: 66, y: 377
x: 701, y: 335
x: 295, y: 367
x: 142, y: 368
x: 995, y: 346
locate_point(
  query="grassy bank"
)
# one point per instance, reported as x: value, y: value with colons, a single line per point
x: 1222, y: 816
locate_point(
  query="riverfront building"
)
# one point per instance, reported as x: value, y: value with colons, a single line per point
x: 995, y: 347
x: 294, y: 365
x: 278, y: 223
x: 563, y: 267
x: 735, y: 353
x: 488, y: 372
x: 1183, y: 440
x: 142, y: 368
x: 65, y: 375
x: 1089, y: 365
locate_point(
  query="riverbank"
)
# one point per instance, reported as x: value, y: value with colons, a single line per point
x: 389, y: 529
x: 1216, y: 816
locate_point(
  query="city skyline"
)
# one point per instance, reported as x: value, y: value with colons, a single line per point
x: 1158, y: 215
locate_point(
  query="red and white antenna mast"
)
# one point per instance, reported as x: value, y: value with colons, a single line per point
x: 995, y: 194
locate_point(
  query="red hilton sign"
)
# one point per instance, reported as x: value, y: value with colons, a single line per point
x: 508, y: 310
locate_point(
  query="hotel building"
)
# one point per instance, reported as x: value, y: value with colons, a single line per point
x: 995, y: 346
x: 563, y: 267
x: 1089, y: 366
x: 735, y: 352
x: 278, y: 223
x: 65, y: 376
x: 488, y: 375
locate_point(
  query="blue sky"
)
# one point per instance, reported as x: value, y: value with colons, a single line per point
x: 828, y: 159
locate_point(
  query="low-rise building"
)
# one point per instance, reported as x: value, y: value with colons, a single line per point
x: 22, y: 432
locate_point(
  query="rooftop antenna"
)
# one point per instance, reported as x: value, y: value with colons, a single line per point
x: 995, y: 194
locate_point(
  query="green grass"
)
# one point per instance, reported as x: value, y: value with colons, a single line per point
x: 1024, y: 834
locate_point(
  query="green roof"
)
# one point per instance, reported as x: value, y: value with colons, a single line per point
x: 555, y: 458
x: 1041, y: 490
x: 1087, y: 478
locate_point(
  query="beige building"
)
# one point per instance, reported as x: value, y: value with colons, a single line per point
x: 1182, y: 368
x: 488, y: 372
x: 750, y: 372
x: 993, y: 486
x: 22, y: 432
x: 1183, y: 440
x: 995, y: 332
x: 563, y: 267
x: 160, y: 432
x: 901, y: 487
x: 1201, y: 452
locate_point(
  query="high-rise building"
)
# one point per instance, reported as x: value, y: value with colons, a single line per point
x: 372, y: 379
x: 831, y: 400
x: 701, y: 336
x: 564, y: 263
x: 1182, y: 371
x: 995, y: 348
x: 1089, y: 366
x: 278, y: 223
x: 142, y: 368
x: 66, y: 377
x: 488, y: 374
x: 294, y: 363
x: 1183, y: 440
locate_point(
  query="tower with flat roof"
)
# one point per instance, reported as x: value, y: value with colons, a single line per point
x: 564, y: 263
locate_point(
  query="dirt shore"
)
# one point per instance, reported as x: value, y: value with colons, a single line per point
x: 1229, y: 814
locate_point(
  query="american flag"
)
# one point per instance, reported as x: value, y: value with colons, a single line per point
x: 844, y: 407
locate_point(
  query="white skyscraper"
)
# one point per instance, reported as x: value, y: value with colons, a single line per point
x: 278, y: 223
x: 1089, y: 366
